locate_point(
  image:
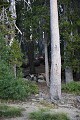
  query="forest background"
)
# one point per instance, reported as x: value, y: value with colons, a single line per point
x: 25, y: 34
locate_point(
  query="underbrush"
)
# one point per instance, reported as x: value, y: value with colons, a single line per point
x: 72, y: 87
x: 45, y: 115
x: 11, y: 87
x: 16, y: 89
x: 7, y: 111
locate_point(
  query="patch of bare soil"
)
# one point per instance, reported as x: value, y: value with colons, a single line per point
x: 69, y: 104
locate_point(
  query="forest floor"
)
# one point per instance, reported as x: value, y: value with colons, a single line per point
x: 69, y: 104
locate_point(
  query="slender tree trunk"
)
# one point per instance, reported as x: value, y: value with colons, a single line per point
x: 55, y: 80
x: 3, y: 16
x: 68, y: 74
x: 46, y: 59
x: 15, y: 72
x: 40, y: 42
x: 12, y: 9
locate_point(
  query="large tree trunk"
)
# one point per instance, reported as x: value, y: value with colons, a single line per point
x: 46, y: 59
x: 55, y: 85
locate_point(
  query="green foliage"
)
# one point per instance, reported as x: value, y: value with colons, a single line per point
x: 19, y: 72
x: 45, y: 115
x: 70, y: 37
x: 15, y: 57
x: 15, y: 53
x: 4, y: 50
x: 11, y: 88
x: 33, y: 88
x: 72, y: 57
x: 38, y: 18
x: 72, y: 87
x: 10, y: 55
x: 3, y: 3
x: 6, y: 72
x: 7, y: 111
x: 16, y: 89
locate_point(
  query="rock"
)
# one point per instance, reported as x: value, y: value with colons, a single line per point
x: 34, y: 100
x: 40, y: 99
x: 32, y: 103
x: 36, y: 95
x: 78, y: 98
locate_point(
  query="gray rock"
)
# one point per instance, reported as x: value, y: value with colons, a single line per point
x: 78, y: 98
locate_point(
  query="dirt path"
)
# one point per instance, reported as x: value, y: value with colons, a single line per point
x: 68, y: 104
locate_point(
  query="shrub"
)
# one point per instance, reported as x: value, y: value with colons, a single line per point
x: 5, y: 71
x: 11, y: 88
x: 16, y: 89
x: 72, y: 87
x: 45, y: 115
x: 7, y: 111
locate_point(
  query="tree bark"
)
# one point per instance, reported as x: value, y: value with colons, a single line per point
x: 15, y: 72
x: 12, y: 9
x: 46, y: 60
x: 55, y: 80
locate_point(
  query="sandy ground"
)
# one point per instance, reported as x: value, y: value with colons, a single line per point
x: 68, y: 104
